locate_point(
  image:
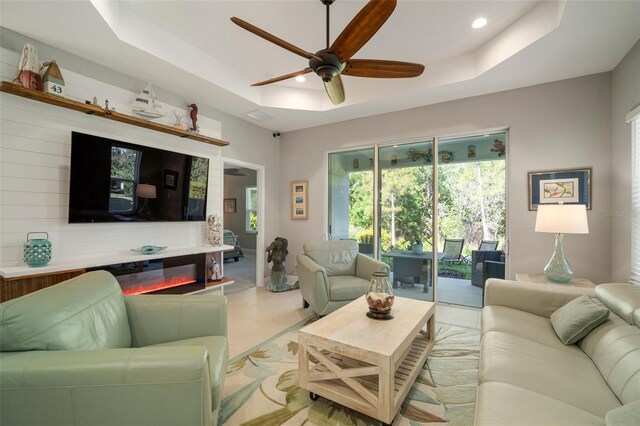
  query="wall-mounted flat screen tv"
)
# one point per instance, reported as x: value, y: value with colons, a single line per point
x: 113, y: 181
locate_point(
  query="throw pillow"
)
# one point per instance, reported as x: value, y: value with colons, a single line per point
x: 577, y: 318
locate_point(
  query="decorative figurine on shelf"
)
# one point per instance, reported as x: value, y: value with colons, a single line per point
x: 146, y: 104
x: 52, y: 81
x: 498, y: 146
x: 177, y: 121
x: 215, y: 272
x: 194, y: 118
x: 28, y: 68
x: 214, y: 230
x: 278, y: 255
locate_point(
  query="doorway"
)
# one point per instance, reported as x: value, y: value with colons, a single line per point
x: 241, y: 212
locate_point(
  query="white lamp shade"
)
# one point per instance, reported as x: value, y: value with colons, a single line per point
x: 562, y: 219
x: 144, y: 190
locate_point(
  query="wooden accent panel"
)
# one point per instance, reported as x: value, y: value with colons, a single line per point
x: 47, y: 98
x: 16, y: 287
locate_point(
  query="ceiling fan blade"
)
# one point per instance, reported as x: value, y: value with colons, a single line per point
x: 361, y: 28
x: 376, y: 68
x: 335, y: 90
x: 283, y: 77
x: 273, y: 39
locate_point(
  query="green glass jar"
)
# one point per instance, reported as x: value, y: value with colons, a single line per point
x: 37, y: 251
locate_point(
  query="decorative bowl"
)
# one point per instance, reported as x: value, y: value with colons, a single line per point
x: 149, y: 249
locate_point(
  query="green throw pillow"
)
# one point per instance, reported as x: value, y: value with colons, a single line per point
x: 577, y: 318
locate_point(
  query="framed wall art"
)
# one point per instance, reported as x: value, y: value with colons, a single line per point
x: 571, y: 186
x: 299, y: 199
x: 170, y: 179
x: 229, y: 205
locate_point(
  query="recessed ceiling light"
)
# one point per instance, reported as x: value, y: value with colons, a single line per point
x: 301, y: 79
x: 479, y: 23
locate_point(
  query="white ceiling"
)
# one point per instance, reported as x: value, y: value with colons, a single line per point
x: 191, y: 48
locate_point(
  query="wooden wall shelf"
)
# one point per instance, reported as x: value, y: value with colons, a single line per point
x: 60, y: 101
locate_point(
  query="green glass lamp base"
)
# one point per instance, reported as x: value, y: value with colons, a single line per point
x: 558, y: 269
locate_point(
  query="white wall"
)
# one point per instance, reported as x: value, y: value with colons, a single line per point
x: 559, y: 125
x: 235, y: 187
x: 248, y: 142
x: 35, y: 149
x: 625, y: 86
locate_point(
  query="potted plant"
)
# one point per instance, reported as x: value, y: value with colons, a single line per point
x: 416, y: 248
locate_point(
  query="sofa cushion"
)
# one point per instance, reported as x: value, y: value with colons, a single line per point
x: 617, y: 356
x: 568, y: 376
x: 217, y: 356
x: 337, y: 257
x: 86, y: 312
x: 577, y: 318
x: 503, y: 404
x: 347, y: 288
x: 628, y: 414
x: 523, y: 324
x: 623, y: 299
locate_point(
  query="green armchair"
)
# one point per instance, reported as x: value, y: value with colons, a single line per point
x: 333, y: 273
x: 81, y: 353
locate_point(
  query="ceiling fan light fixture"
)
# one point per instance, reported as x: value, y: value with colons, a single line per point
x: 479, y: 23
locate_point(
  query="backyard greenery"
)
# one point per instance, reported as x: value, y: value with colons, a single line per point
x: 471, y: 204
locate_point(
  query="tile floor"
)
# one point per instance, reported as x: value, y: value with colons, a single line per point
x: 255, y: 314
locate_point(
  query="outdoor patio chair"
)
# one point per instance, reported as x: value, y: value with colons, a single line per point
x: 485, y: 245
x: 452, y: 252
x: 478, y: 267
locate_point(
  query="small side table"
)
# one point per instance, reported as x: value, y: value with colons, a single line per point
x: 541, y: 279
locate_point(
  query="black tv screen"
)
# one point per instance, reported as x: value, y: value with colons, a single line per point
x: 113, y: 181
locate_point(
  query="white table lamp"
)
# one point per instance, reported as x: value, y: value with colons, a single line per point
x: 145, y: 191
x: 561, y: 219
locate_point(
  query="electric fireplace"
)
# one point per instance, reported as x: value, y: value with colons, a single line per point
x: 169, y: 275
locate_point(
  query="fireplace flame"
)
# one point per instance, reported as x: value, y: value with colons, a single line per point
x: 148, y: 288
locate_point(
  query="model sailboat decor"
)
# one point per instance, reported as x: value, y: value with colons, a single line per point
x: 146, y: 104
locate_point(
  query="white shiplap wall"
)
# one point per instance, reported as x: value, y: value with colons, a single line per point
x: 35, y: 147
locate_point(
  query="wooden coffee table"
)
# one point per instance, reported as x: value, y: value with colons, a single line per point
x: 365, y: 364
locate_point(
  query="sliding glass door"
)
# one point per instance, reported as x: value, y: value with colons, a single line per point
x: 471, y: 216
x: 461, y: 180
x: 405, y: 237
x: 351, y: 197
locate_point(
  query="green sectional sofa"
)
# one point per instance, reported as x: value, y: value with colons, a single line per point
x: 81, y: 353
x: 529, y: 377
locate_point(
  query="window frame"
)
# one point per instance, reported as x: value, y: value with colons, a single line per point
x: 634, y: 118
x: 247, y: 209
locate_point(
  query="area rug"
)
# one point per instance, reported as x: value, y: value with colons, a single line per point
x: 261, y: 387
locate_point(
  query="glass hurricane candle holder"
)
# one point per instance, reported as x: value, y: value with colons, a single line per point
x: 380, y: 296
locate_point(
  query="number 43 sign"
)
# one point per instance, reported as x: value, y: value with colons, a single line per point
x: 52, y: 81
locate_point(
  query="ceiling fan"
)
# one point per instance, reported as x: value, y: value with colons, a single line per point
x: 335, y: 60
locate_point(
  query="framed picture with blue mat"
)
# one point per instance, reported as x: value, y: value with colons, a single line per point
x: 571, y: 186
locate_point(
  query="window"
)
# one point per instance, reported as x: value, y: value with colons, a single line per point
x: 634, y: 118
x: 251, y: 217
x: 124, y: 175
